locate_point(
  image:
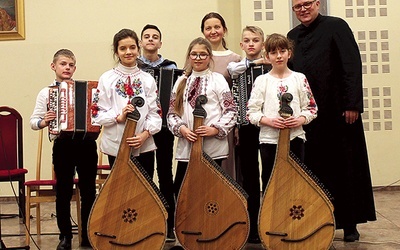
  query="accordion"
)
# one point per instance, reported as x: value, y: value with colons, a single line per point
x: 241, y: 89
x: 72, y: 103
x: 165, y: 79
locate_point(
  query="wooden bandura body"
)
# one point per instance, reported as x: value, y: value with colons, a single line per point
x: 128, y: 213
x: 211, y: 211
x: 72, y: 102
x: 295, y: 214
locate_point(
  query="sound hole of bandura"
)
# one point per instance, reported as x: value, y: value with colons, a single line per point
x: 129, y: 215
x: 212, y: 208
x: 297, y: 212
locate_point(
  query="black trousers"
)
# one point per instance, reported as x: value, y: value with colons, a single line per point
x: 249, y: 146
x: 164, y: 155
x: 70, y: 156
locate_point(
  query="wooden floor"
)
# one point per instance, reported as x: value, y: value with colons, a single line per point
x: 383, y: 234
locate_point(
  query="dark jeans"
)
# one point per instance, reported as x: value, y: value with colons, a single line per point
x: 249, y: 146
x: 164, y: 155
x: 70, y: 156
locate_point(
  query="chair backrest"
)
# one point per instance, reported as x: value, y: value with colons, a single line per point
x: 11, y: 153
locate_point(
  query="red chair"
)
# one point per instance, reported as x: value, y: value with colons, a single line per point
x: 11, y: 152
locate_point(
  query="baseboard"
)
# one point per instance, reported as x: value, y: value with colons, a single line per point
x: 7, y: 198
x: 386, y: 188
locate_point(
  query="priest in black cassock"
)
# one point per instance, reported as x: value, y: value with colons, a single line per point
x: 327, y: 53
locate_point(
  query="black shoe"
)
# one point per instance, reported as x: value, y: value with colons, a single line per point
x: 85, y: 242
x: 254, y: 239
x: 351, y: 234
x: 170, y: 235
x: 65, y: 244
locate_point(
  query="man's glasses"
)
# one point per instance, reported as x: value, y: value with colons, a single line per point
x: 306, y: 5
x: 202, y: 56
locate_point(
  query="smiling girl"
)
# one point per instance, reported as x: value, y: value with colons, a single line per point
x: 112, y: 103
x: 221, y: 110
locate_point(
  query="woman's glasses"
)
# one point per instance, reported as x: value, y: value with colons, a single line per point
x: 194, y: 56
x: 306, y: 5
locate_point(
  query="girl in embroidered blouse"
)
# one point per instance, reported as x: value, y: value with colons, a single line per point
x: 264, y: 104
x: 116, y: 88
x: 221, y: 110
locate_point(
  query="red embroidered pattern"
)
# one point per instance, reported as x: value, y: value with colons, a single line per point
x: 194, y: 92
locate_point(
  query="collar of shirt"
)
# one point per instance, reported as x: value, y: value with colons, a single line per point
x: 127, y: 70
x: 54, y: 83
x: 152, y: 64
x: 200, y: 73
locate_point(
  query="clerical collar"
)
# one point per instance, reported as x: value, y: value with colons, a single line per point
x: 314, y: 23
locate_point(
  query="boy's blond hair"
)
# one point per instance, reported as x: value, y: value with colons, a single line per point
x: 255, y: 30
x: 64, y: 52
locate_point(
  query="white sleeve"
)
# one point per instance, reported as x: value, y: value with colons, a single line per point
x: 229, y: 111
x: 40, y: 109
x: 153, y: 121
x: 106, y: 115
x: 237, y: 68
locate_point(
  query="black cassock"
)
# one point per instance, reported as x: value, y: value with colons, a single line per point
x: 327, y: 53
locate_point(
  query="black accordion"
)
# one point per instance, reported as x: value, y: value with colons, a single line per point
x: 241, y: 89
x: 165, y: 79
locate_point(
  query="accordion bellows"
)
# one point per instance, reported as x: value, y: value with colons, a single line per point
x: 242, y: 87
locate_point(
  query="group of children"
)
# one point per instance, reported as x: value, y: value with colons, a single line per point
x: 208, y: 70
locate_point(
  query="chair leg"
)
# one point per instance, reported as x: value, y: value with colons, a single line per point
x: 78, y: 212
x: 21, y: 199
x: 38, y: 219
x: 28, y: 216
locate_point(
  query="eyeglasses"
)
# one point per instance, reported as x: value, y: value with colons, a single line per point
x: 202, y: 56
x: 306, y: 5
